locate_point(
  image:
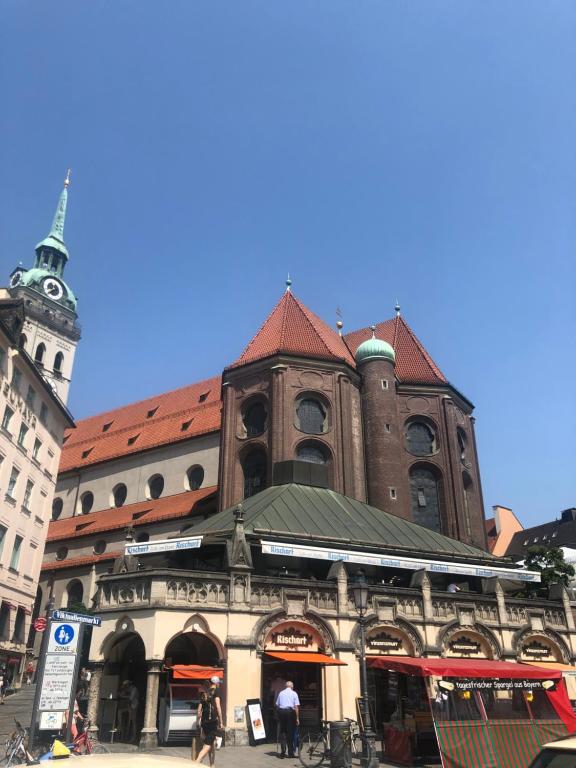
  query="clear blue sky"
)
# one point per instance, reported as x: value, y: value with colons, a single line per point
x: 375, y: 149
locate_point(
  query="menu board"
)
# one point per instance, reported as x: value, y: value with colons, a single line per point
x: 258, y: 731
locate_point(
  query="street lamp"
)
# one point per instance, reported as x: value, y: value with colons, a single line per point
x: 360, y: 592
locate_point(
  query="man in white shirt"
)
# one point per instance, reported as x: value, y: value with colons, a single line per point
x: 288, y: 708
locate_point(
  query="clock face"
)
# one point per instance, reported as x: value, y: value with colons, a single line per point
x: 15, y: 279
x: 53, y: 288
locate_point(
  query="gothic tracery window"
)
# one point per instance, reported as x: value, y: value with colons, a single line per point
x: 255, y: 472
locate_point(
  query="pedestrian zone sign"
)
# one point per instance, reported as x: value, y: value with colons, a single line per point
x: 63, y: 637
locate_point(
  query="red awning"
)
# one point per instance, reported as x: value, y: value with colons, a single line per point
x: 195, y: 672
x: 308, y: 658
x: 462, y: 668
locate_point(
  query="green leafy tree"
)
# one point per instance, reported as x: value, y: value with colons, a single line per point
x: 551, y: 564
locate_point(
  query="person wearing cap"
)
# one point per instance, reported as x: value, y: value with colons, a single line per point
x: 210, y: 719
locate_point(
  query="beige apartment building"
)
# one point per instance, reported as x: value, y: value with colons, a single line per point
x: 38, y: 338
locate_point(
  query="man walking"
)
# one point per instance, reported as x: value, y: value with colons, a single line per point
x: 288, y: 708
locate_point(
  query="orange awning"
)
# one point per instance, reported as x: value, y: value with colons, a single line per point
x: 195, y: 672
x: 307, y: 658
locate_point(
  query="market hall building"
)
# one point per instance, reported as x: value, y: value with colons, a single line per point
x: 313, y: 455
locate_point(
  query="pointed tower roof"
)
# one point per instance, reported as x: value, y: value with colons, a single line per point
x: 413, y: 363
x: 292, y: 329
x: 55, y: 237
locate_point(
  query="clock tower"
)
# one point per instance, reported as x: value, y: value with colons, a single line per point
x: 51, y: 332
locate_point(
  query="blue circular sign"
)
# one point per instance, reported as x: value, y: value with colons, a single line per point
x: 64, y: 634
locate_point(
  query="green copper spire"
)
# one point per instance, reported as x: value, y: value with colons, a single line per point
x: 55, y: 239
x: 57, y: 230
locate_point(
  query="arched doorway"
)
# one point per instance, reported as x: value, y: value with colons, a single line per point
x: 123, y: 687
x: 190, y: 660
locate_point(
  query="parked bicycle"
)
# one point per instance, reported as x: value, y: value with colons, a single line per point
x: 83, y: 744
x: 314, y: 747
x: 17, y: 748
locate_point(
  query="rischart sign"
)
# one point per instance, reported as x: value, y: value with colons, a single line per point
x: 292, y: 637
x: 488, y: 684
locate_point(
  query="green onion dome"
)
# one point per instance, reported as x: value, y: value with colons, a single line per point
x: 375, y: 349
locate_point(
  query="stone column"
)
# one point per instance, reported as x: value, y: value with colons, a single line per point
x: 149, y: 736
x: 96, y: 669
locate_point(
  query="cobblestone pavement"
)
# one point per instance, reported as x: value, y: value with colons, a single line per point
x: 19, y: 706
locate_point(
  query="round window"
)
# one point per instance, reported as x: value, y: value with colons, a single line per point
x: 100, y: 547
x: 62, y: 553
x: 155, y: 486
x: 57, y: 505
x: 86, y: 502
x: 142, y: 538
x: 195, y: 478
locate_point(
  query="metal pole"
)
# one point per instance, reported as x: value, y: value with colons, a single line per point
x: 39, y: 675
x: 369, y: 756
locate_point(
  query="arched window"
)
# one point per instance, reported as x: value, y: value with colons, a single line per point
x: 254, y: 418
x: 462, y: 443
x: 57, y: 505
x: 119, y: 493
x: 74, y: 594
x: 255, y: 472
x: 40, y: 352
x: 425, y: 498
x: 58, y: 362
x: 420, y: 438
x: 4, y: 621
x: 195, y: 477
x: 468, y: 491
x: 311, y: 416
x: 155, y: 487
x: 100, y: 547
x: 86, y: 502
x: 22, y: 341
x: 62, y: 553
x: 312, y: 453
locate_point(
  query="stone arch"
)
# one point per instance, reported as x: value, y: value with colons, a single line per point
x: 548, y: 635
x: 197, y: 624
x: 485, y: 635
x: 399, y: 625
x: 280, y: 616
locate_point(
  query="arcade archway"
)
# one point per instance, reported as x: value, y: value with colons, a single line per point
x: 123, y: 689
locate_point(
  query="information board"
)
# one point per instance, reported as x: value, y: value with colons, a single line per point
x: 258, y: 731
x: 57, y: 682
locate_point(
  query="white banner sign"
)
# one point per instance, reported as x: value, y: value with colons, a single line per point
x: 57, y: 681
x: 408, y: 563
x: 163, y: 545
x: 51, y: 721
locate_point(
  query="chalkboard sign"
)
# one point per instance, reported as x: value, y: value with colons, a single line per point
x: 256, y: 721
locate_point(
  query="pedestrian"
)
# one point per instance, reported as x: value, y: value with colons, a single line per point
x: 29, y: 673
x: 288, y: 708
x: 210, y: 719
x: 2, y: 683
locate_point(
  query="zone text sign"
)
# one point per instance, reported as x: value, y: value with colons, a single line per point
x: 63, y: 637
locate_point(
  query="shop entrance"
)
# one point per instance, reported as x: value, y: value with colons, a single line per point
x: 190, y: 660
x: 123, y: 690
x: 308, y: 683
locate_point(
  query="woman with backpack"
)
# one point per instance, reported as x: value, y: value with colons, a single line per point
x: 210, y: 719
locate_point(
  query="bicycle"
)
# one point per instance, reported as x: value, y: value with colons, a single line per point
x: 16, y: 749
x: 84, y: 745
x: 314, y: 748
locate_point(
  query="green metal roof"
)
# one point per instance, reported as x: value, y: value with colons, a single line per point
x: 299, y: 512
x: 375, y: 349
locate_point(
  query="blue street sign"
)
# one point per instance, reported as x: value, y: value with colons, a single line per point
x: 83, y: 618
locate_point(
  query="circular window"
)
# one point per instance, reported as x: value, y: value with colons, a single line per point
x: 86, y: 502
x: 195, y: 478
x: 62, y: 553
x: 311, y: 453
x: 57, y: 505
x: 155, y: 486
x: 311, y: 416
x: 420, y: 439
x: 119, y: 493
x: 142, y: 538
x: 254, y: 418
x: 100, y: 547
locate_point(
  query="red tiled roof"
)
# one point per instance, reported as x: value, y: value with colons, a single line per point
x: 141, y: 513
x: 413, y: 364
x: 74, y: 562
x: 292, y: 329
x: 174, y: 416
